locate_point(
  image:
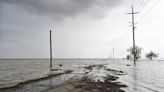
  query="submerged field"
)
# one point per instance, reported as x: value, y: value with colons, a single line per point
x: 81, y: 75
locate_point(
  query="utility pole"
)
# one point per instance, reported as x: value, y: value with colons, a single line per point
x: 133, y: 29
x: 113, y: 53
x: 50, y: 52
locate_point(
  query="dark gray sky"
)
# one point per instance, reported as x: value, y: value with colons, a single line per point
x: 80, y: 28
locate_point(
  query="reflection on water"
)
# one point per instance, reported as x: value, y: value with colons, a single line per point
x: 144, y: 77
x: 135, y: 79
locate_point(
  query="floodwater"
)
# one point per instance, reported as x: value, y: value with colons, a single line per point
x: 145, y: 76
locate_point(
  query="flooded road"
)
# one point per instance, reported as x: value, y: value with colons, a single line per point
x: 95, y: 78
x: 145, y: 76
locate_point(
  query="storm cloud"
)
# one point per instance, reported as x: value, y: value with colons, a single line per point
x: 60, y: 9
x: 24, y: 25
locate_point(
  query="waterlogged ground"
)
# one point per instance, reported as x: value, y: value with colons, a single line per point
x: 88, y: 75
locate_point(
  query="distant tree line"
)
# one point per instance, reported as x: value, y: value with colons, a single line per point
x: 151, y: 55
x: 138, y: 51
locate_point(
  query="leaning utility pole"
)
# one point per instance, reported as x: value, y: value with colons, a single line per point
x: 50, y: 52
x: 133, y: 29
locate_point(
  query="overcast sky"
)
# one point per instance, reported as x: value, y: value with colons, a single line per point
x: 80, y: 28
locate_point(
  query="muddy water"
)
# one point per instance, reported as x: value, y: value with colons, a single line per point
x: 146, y: 76
x: 42, y: 85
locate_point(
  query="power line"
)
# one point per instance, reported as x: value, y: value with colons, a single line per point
x: 149, y: 10
x: 143, y: 6
x: 140, y: 4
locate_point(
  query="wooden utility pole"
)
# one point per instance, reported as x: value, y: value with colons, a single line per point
x: 50, y: 52
x: 113, y: 53
x: 133, y: 29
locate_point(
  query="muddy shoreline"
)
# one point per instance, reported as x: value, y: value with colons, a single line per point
x: 85, y: 85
